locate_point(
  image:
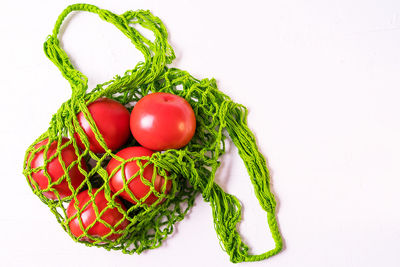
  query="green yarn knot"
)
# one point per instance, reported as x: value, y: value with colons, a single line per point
x: 191, y: 169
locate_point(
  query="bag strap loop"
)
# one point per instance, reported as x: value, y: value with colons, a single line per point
x: 226, y: 208
x: 157, y: 54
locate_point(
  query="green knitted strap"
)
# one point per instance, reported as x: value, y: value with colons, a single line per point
x: 156, y: 54
x: 243, y: 138
x: 192, y: 168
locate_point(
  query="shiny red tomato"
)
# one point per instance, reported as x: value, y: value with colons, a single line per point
x: 112, y: 120
x: 132, y: 177
x: 162, y: 121
x: 111, y: 216
x: 55, y: 170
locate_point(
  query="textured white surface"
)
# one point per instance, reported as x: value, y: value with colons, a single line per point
x: 320, y: 79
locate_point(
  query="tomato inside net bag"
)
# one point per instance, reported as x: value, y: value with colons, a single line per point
x: 74, y: 183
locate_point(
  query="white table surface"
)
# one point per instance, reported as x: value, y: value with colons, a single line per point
x: 321, y: 80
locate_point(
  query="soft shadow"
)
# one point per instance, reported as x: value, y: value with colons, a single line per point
x: 223, y: 173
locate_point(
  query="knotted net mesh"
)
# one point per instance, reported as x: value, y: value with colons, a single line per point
x: 190, y: 170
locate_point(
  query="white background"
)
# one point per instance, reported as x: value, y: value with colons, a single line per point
x: 321, y: 80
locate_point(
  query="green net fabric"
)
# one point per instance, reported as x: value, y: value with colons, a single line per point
x: 191, y: 169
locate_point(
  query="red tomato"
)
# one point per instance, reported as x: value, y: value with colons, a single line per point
x: 112, y: 120
x: 131, y: 169
x: 55, y: 170
x: 112, y: 216
x: 162, y: 121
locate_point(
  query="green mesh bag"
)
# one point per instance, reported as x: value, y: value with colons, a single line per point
x: 191, y: 169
